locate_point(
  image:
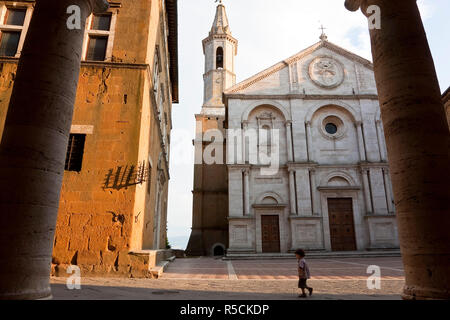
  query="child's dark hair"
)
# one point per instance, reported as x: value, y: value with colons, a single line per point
x: 300, y: 252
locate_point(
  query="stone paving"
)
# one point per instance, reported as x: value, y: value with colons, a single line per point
x: 214, y: 279
x: 282, y: 269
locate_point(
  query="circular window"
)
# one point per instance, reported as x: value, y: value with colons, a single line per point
x: 331, y: 128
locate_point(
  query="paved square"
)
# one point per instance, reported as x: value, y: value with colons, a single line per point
x: 215, y: 279
x: 282, y: 269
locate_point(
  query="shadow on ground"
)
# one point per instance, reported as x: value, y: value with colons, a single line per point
x: 93, y: 292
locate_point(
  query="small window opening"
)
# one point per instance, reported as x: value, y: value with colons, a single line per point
x: 97, y: 48
x: 101, y: 22
x: 75, y: 151
x: 219, y: 58
x: 9, y: 43
x: 331, y: 128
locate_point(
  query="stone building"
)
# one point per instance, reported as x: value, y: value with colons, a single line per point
x: 113, y: 205
x: 315, y: 116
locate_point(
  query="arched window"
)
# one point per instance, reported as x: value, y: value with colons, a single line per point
x: 219, y: 58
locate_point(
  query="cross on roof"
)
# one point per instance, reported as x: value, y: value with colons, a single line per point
x: 323, y: 36
x: 219, y: 1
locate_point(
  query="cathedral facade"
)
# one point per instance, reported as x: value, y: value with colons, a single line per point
x: 306, y: 158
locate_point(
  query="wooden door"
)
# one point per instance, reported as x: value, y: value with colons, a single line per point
x: 270, y: 233
x: 342, y: 227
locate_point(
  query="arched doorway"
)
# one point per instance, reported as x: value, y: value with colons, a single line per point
x: 218, y: 250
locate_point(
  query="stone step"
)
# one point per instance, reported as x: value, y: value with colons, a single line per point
x: 314, y: 255
x: 159, y: 269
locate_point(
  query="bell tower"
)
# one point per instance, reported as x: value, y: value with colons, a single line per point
x: 210, y: 195
x: 219, y: 49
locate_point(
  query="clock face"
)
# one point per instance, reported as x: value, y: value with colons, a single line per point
x: 326, y: 72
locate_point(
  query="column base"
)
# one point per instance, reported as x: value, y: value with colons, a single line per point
x: 47, y: 295
x: 419, y: 293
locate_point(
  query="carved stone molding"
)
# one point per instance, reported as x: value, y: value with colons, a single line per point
x: 326, y: 72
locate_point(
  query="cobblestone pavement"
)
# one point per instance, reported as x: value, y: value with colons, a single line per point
x: 213, y: 279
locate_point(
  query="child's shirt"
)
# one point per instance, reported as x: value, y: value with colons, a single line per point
x: 303, y: 269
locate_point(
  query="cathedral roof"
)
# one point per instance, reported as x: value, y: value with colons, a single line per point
x: 220, y: 24
x: 324, y: 43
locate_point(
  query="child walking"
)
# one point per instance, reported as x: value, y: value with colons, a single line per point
x: 303, y: 273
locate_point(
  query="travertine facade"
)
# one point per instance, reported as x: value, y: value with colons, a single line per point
x: 114, y: 207
x: 330, y: 188
x: 321, y: 109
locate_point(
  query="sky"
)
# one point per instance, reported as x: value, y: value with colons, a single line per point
x: 268, y: 31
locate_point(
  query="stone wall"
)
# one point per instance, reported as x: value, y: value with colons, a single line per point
x: 105, y: 210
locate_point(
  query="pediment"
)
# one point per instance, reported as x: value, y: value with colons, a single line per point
x: 324, y: 64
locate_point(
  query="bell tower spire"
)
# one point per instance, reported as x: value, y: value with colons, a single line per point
x: 220, y: 49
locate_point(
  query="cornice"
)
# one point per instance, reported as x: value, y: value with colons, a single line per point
x: 294, y: 96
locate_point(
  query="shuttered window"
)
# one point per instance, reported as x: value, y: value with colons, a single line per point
x: 75, y: 151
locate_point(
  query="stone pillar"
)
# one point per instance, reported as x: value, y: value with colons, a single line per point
x: 381, y: 144
x: 309, y: 140
x: 292, y: 195
x: 315, y: 197
x: 34, y: 146
x: 362, y: 149
x: 246, y: 192
x: 387, y: 185
x: 289, y: 141
x: 417, y: 140
x: 366, y: 187
x: 244, y: 145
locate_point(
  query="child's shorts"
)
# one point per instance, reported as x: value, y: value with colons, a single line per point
x: 302, y: 283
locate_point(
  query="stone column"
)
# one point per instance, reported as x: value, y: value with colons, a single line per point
x: 244, y: 145
x: 292, y: 195
x: 417, y: 140
x: 34, y: 146
x: 246, y: 192
x: 314, y: 195
x: 362, y: 149
x: 387, y: 179
x: 289, y: 141
x: 309, y: 140
x: 366, y: 186
x: 381, y: 144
